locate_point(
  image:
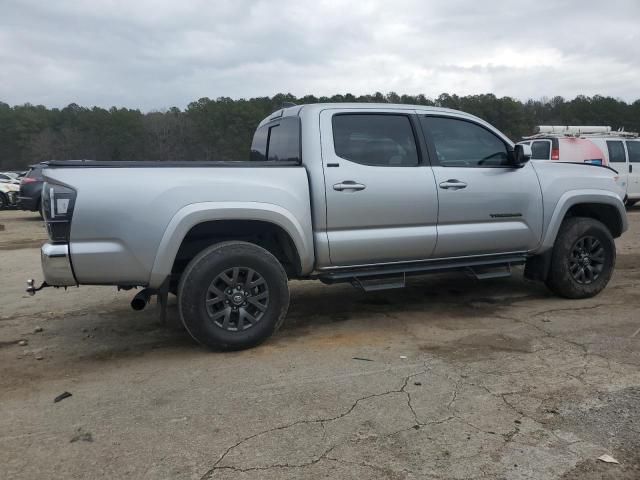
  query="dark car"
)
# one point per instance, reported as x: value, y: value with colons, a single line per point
x: 31, y: 189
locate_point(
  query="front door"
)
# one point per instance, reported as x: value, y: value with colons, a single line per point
x: 382, y: 203
x: 486, y: 206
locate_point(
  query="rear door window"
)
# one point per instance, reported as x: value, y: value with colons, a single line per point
x: 616, y: 151
x: 379, y: 140
x: 634, y: 151
x: 541, y: 150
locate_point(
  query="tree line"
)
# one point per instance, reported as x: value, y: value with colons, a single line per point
x: 222, y: 129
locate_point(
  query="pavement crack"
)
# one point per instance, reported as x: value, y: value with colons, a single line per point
x: 575, y: 309
x: 582, y: 346
x: 454, y: 395
x: 210, y: 473
x: 216, y: 466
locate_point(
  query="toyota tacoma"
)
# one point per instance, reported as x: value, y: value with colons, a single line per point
x: 361, y: 193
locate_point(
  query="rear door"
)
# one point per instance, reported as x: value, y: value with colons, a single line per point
x: 633, y: 151
x: 485, y: 205
x: 382, y: 203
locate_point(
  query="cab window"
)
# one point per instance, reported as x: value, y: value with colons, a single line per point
x: 379, y: 140
x: 277, y: 141
x: 460, y: 143
x: 634, y: 151
x: 616, y: 151
x: 541, y: 150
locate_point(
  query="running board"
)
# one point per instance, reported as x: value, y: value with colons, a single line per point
x: 394, y: 275
x: 500, y: 271
x: 375, y: 284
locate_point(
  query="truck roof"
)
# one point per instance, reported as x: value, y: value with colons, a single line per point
x: 318, y: 107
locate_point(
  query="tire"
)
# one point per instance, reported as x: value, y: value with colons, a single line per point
x: 582, y: 260
x: 4, y: 201
x: 221, y: 320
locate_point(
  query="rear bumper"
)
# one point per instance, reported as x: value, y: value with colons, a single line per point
x: 56, y: 265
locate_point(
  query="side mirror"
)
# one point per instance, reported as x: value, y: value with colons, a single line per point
x: 521, y: 154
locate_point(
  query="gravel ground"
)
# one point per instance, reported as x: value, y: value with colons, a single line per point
x: 448, y: 378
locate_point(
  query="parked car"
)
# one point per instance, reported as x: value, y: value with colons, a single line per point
x: 592, y: 144
x: 11, y: 177
x: 30, y: 194
x: 8, y: 194
x: 361, y: 193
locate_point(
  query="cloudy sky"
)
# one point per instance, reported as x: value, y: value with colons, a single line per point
x: 155, y: 54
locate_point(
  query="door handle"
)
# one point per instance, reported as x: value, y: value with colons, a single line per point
x: 349, y: 185
x: 630, y: 168
x: 453, y: 184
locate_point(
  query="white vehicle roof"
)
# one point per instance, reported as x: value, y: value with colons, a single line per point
x: 546, y: 131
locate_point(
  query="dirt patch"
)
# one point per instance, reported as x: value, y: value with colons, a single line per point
x: 616, y: 426
x: 37, y: 243
x: 594, y: 469
x: 629, y: 261
x: 474, y: 346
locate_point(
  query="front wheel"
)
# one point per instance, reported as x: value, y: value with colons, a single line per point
x: 4, y: 201
x: 233, y: 295
x: 582, y: 260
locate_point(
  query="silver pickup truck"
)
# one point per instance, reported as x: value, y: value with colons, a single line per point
x: 359, y: 193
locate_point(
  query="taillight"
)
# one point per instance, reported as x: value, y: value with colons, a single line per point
x: 28, y: 180
x: 58, y: 202
x: 555, y: 154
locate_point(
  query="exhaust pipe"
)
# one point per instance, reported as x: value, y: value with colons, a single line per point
x: 141, y: 299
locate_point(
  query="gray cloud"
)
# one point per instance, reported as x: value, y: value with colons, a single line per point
x: 153, y: 55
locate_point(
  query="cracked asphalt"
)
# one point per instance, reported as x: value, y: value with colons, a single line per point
x: 448, y: 378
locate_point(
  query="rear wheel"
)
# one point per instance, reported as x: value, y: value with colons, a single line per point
x: 233, y: 295
x: 583, y: 258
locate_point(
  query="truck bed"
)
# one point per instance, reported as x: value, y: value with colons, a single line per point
x: 130, y: 217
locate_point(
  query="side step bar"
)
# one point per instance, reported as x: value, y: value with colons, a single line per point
x: 375, y: 284
x: 500, y: 271
x: 394, y: 275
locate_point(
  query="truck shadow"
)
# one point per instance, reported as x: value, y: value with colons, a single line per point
x: 85, y: 340
x: 459, y: 295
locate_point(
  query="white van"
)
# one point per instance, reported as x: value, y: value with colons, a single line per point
x: 592, y: 144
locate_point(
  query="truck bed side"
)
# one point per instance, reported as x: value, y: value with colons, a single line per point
x: 129, y: 222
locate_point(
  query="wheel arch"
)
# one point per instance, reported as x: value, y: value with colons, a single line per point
x: 603, y: 206
x: 198, y: 226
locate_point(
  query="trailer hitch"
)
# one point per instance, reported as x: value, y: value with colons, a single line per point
x: 31, y: 289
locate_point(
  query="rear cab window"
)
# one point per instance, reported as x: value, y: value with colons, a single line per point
x: 35, y: 172
x: 277, y: 141
x: 379, y: 140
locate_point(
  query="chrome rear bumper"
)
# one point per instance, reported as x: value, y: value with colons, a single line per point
x: 56, y: 265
